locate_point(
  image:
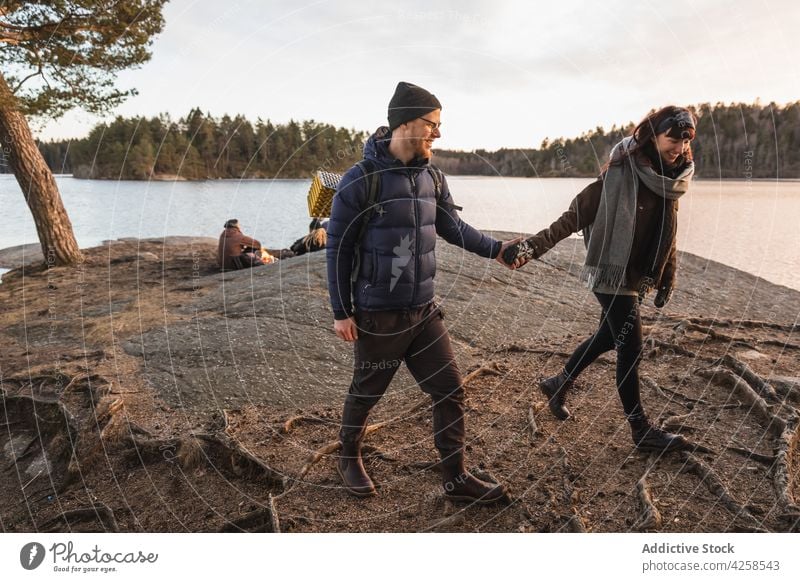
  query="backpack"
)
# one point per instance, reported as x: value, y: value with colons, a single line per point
x: 373, y: 179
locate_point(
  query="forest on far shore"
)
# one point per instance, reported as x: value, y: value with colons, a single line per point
x: 741, y: 141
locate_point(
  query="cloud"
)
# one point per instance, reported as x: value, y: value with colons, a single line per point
x: 508, y: 73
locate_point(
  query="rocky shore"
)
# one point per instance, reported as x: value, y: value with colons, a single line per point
x: 145, y: 391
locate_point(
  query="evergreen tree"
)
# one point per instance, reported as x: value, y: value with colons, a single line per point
x: 56, y: 55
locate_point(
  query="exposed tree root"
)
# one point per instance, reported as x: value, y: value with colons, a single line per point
x: 218, y: 450
x: 482, y: 370
x: 228, y: 454
x: 533, y: 429
x: 294, y: 421
x: 333, y: 446
x: 514, y: 347
x: 780, y: 344
x: 757, y: 404
x: 788, y: 390
x: 649, y: 515
x: 748, y: 454
x: 782, y: 469
x: 56, y: 431
x: 99, y: 512
x: 748, y: 375
x: 368, y: 451
x: 570, y: 496
x: 659, y: 347
x: 264, y: 520
x: 686, y: 325
x: 652, y: 384
x: 676, y: 422
x: 315, y: 457
x: 716, y: 487
x: 710, y: 321
x: 669, y: 393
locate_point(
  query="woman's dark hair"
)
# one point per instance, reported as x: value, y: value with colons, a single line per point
x: 676, y: 122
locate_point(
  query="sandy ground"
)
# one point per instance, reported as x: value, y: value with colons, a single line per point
x: 144, y: 391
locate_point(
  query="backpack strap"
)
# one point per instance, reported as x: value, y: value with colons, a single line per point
x: 373, y: 184
x: 438, y: 179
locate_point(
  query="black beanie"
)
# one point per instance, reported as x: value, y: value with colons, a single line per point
x: 410, y: 102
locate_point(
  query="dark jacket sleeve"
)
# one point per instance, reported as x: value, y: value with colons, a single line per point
x: 581, y: 213
x: 457, y: 232
x: 343, y: 229
x: 671, y: 265
x: 670, y: 269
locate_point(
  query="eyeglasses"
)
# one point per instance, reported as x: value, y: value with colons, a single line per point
x: 433, y: 126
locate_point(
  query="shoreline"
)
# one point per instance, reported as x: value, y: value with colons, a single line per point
x: 173, y: 178
x: 28, y: 254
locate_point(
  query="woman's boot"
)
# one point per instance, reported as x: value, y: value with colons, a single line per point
x: 647, y: 437
x: 555, y: 389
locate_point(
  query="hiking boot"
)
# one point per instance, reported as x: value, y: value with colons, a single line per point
x: 461, y: 485
x: 647, y: 437
x: 555, y: 389
x: 351, y: 470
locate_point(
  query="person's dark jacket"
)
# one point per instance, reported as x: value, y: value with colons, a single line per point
x: 649, y: 217
x: 398, y: 262
x: 311, y: 243
x: 232, y: 243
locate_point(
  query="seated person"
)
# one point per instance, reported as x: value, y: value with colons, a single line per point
x: 318, y: 223
x: 237, y: 251
x: 313, y: 241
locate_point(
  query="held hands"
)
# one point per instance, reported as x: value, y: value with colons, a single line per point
x: 506, y: 250
x: 346, y: 329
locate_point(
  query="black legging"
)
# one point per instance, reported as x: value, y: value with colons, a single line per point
x: 620, y: 329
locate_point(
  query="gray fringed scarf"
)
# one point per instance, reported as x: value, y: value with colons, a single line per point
x: 611, y: 235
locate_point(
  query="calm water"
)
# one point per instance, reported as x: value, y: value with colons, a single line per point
x: 752, y: 226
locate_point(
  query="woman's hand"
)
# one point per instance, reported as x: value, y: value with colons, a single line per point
x: 518, y: 262
x: 663, y: 296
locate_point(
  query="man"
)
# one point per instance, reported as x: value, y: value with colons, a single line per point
x: 394, y: 318
x: 235, y: 250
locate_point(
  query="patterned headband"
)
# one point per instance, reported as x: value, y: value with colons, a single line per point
x: 682, y: 119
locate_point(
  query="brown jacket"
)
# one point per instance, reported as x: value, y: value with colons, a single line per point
x: 231, y: 244
x: 582, y: 212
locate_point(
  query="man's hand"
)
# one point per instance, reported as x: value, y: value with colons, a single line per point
x: 346, y: 329
x: 518, y: 262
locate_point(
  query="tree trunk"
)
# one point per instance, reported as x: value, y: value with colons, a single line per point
x: 53, y: 226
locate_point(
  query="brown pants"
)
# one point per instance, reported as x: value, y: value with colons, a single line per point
x: 419, y: 338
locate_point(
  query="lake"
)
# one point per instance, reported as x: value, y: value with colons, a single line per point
x: 750, y: 225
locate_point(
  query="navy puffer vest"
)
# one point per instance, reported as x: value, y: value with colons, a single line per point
x: 398, y: 260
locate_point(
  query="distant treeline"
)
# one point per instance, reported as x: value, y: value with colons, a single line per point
x: 200, y: 147
x: 733, y: 141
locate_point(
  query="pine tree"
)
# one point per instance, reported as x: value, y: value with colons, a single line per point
x: 56, y: 55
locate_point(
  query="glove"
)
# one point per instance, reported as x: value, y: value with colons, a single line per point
x: 524, y: 250
x: 663, y: 296
x: 646, y: 284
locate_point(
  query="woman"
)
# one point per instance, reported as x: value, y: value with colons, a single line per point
x: 629, y: 219
x: 313, y: 241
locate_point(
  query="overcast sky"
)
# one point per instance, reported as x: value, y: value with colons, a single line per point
x: 507, y: 73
